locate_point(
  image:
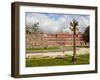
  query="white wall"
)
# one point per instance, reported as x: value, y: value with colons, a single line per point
x: 5, y: 40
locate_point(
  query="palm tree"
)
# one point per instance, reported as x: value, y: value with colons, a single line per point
x: 28, y: 29
x: 73, y: 28
x: 35, y: 33
x: 35, y: 28
x: 85, y: 35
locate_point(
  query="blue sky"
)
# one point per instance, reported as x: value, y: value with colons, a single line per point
x: 53, y: 23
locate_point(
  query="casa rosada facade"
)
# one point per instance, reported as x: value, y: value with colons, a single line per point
x: 64, y: 39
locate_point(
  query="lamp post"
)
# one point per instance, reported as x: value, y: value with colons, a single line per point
x: 74, y: 28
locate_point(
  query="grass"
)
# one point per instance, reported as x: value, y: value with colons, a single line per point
x: 67, y: 60
x: 50, y: 49
x: 34, y: 50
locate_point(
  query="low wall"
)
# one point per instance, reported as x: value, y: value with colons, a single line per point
x: 36, y: 40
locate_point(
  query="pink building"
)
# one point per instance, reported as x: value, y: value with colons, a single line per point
x: 64, y: 39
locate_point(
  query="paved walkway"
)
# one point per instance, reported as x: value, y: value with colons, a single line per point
x: 80, y: 51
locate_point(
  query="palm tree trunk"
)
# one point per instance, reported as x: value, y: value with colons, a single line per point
x: 74, y: 47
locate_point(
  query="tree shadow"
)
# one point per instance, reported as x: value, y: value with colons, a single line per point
x: 69, y: 60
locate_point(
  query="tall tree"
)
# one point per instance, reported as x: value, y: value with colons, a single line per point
x: 74, y: 28
x: 28, y: 29
x: 85, y: 35
x: 35, y: 28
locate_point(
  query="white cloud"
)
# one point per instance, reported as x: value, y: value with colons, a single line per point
x: 52, y: 25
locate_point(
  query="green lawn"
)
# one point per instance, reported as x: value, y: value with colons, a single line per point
x: 48, y: 48
x: 67, y: 60
x: 52, y: 49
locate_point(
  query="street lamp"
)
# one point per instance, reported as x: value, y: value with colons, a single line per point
x: 74, y: 28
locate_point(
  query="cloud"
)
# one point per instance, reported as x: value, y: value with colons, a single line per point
x: 52, y: 23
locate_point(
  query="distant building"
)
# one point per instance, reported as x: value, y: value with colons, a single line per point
x: 64, y: 39
x: 43, y: 40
